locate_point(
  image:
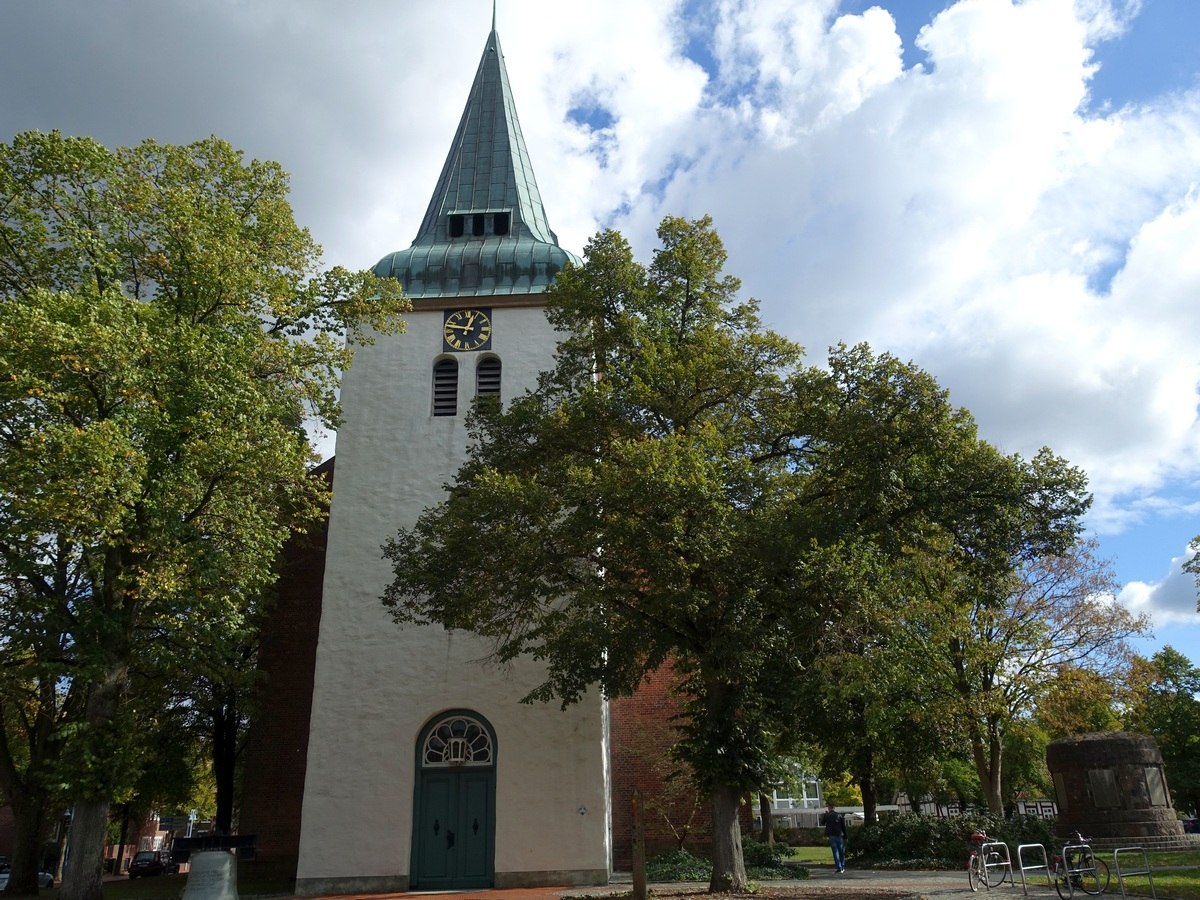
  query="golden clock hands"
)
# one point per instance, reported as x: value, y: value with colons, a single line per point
x: 458, y: 327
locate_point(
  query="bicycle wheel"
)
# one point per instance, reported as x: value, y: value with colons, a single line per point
x: 995, y: 875
x: 1094, y: 881
x: 1062, y: 881
x: 973, y: 878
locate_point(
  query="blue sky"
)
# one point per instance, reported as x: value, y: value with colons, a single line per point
x: 1006, y: 192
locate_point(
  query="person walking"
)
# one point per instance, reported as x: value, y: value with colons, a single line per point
x: 835, y: 829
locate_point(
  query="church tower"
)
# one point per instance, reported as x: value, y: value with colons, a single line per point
x: 424, y: 771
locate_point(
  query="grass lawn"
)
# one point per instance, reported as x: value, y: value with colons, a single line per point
x: 1176, y: 874
x: 811, y: 855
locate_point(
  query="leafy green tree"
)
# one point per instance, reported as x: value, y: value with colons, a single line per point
x: 1025, y: 774
x: 164, y: 328
x: 1193, y: 565
x: 866, y: 706
x: 213, y: 677
x: 841, y: 791
x: 680, y: 491
x: 1169, y: 710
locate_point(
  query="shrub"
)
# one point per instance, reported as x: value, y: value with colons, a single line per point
x: 761, y: 856
x: 678, y: 865
x: 763, y: 862
x: 789, y: 836
x: 912, y: 841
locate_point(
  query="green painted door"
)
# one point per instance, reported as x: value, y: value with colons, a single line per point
x: 455, y: 833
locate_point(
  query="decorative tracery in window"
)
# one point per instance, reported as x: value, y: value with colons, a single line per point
x: 457, y: 741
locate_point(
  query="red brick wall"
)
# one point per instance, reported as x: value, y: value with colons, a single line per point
x: 641, y: 737
x: 277, y: 745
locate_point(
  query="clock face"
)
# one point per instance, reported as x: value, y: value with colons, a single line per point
x: 467, y: 329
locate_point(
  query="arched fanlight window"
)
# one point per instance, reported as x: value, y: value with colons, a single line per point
x: 487, y: 377
x: 445, y: 387
x: 458, y: 740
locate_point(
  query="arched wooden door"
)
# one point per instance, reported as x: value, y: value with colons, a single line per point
x: 454, y: 827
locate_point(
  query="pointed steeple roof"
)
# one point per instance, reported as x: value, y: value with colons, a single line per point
x: 485, y: 231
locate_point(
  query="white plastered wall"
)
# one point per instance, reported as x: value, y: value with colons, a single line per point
x: 377, y: 685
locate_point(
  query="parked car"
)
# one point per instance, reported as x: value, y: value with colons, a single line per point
x: 44, y: 879
x: 152, y: 862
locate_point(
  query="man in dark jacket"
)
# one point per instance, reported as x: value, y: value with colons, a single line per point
x: 834, y: 824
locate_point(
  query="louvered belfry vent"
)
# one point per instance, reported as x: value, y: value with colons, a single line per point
x: 487, y: 377
x: 445, y: 387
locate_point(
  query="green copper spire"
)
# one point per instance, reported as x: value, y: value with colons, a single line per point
x: 485, y: 231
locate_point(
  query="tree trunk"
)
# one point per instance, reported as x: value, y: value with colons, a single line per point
x: 729, y: 868
x: 84, y: 877
x: 121, y: 842
x: 29, y: 821
x: 866, y: 784
x: 60, y: 846
x: 226, y: 727
x: 767, y: 836
x: 870, y: 797
x: 995, y: 790
x: 987, y: 766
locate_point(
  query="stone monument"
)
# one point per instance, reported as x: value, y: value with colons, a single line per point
x: 212, y: 875
x: 1109, y: 785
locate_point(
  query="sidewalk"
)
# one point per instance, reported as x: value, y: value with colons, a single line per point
x: 821, y: 881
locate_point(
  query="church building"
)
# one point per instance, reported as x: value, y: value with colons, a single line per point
x: 423, y: 770
x: 390, y: 759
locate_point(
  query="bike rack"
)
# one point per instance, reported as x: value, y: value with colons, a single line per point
x: 1044, y: 865
x: 1083, y: 853
x: 1144, y: 870
x: 989, y: 847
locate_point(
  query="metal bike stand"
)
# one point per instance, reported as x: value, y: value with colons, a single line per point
x: 1044, y: 865
x: 1004, y: 862
x: 1144, y: 870
x: 1082, y: 853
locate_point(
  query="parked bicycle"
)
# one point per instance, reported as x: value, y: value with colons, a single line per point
x: 985, y: 867
x: 1078, y: 869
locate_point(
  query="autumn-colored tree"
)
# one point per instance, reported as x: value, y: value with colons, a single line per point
x: 1079, y: 700
x: 998, y: 653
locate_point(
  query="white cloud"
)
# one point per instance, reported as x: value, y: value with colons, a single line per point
x: 1169, y: 602
x: 972, y: 213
